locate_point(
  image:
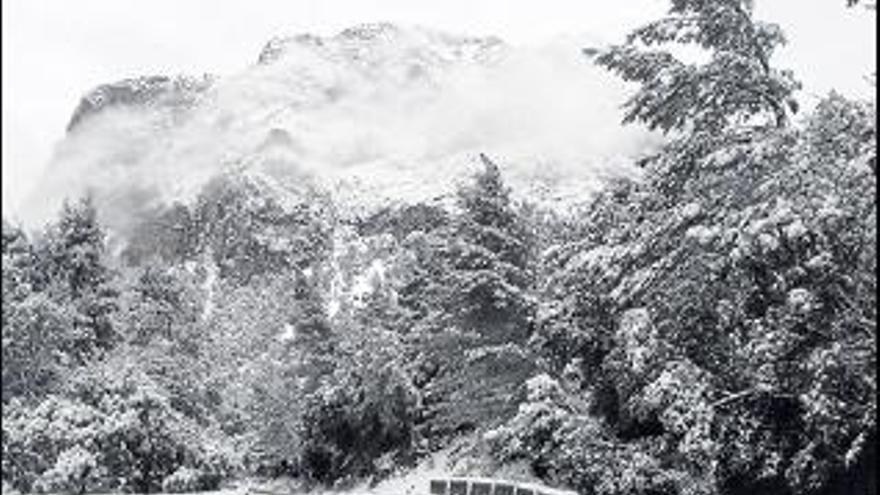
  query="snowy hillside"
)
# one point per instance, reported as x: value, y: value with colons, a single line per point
x: 316, y: 275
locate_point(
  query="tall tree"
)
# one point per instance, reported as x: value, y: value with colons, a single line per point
x: 73, y: 262
x: 75, y: 248
x: 18, y: 261
x: 868, y: 4
x: 735, y: 320
x: 478, y: 280
x: 490, y: 255
x: 33, y: 325
x: 736, y: 85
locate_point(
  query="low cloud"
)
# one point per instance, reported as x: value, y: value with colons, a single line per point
x: 399, y: 113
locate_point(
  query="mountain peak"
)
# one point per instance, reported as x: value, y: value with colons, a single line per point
x: 370, y: 31
x: 353, y: 41
x: 170, y: 91
x: 375, y: 113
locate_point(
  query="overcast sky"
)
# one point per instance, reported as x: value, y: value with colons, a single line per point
x: 55, y: 50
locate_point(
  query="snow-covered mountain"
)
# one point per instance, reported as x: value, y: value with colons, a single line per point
x: 377, y: 113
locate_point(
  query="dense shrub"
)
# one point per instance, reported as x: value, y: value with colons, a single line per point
x: 564, y: 444
x: 121, y: 435
x: 354, y: 423
x: 75, y: 470
x: 187, y: 479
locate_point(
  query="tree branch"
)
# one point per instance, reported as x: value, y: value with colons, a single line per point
x: 747, y: 393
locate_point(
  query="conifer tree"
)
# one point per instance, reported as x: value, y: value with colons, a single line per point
x: 18, y: 261
x: 76, y: 248
x: 72, y: 259
x: 479, y: 279
x: 32, y: 323
x: 489, y: 255
x: 736, y: 85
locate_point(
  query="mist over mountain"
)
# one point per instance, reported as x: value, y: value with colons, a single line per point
x: 377, y: 113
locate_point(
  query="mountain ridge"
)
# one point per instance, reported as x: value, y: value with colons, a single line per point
x: 376, y: 113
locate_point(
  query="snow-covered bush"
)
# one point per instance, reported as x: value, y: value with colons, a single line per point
x: 354, y: 425
x: 563, y: 443
x: 75, y: 471
x: 128, y: 437
x: 188, y: 480
x: 34, y: 437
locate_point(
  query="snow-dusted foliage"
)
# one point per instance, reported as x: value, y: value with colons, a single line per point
x: 735, y: 85
x: 706, y: 326
x: 115, y: 429
x: 709, y: 307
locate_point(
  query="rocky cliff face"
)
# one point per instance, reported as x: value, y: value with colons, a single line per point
x: 174, y: 93
x: 359, y: 43
x: 375, y: 114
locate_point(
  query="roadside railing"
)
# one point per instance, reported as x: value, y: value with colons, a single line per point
x: 487, y: 486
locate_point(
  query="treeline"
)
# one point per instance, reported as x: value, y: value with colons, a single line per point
x: 707, y: 328
x: 233, y: 339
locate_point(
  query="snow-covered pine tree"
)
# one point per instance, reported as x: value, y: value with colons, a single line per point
x: 867, y: 4
x: 72, y: 260
x: 473, y: 363
x: 18, y: 262
x: 32, y: 324
x: 488, y: 259
x: 736, y: 84
x: 76, y: 248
